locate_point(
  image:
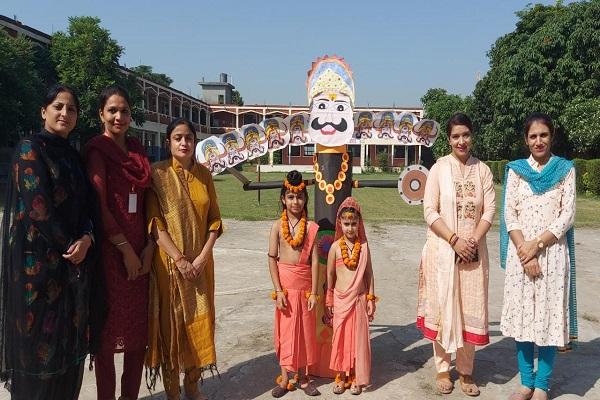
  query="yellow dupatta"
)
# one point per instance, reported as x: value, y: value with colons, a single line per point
x: 192, y: 315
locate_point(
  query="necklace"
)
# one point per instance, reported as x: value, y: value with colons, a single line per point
x: 350, y: 262
x: 298, y: 238
x: 330, y: 188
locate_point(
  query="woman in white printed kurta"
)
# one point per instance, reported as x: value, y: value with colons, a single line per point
x: 538, y: 215
x: 535, y: 310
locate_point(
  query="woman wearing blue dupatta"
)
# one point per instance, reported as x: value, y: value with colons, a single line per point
x: 539, y: 292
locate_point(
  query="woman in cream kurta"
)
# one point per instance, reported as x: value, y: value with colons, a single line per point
x: 459, y: 206
x: 184, y: 218
x: 541, y: 302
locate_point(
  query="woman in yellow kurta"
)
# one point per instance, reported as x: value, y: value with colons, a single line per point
x: 459, y: 207
x: 184, y: 219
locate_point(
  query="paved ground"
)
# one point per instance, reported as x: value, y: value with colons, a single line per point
x: 402, y: 360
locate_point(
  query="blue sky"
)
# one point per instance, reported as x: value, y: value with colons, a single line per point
x: 396, y: 49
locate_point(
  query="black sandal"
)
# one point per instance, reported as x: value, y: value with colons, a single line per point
x: 278, y: 391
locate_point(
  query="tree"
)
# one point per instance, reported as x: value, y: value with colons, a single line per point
x: 440, y: 106
x: 145, y: 71
x: 87, y: 58
x: 551, y: 59
x: 236, y: 98
x: 21, y: 87
x: 581, y: 119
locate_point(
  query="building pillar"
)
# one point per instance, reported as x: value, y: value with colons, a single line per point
x: 405, y: 156
x: 237, y: 118
x: 362, y: 157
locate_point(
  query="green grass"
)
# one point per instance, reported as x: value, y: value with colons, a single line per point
x: 379, y: 205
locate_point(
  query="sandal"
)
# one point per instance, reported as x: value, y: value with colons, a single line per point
x: 278, y: 391
x: 310, y: 389
x: 468, y: 386
x: 355, y: 389
x: 443, y: 383
x: 339, y: 385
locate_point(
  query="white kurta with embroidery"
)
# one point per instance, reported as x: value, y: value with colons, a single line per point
x: 536, y: 310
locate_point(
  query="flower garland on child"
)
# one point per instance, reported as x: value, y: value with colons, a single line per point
x: 298, y: 240
x: 350, y: 262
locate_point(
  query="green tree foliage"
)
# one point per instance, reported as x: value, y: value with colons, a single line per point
x: 145, y: 71
x: 21, y: 87
x: 581, y: 119
x: 551, y: 64
x: 236, y: 98
x: 87, y: 58
x: 440, y: 106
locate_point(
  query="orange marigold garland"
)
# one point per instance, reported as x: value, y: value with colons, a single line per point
x: 330, y: 188
x: 294, y: 188
x: 298, y: 239
x: 350, y: 262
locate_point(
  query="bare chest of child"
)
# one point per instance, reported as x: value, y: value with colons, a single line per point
x: 287, y: 254
x: 343, y: 275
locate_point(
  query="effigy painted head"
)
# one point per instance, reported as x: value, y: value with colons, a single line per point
x: 330, y: 89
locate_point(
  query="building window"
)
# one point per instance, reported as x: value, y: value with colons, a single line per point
x: 221, y: 99
x: 399, y: 151
x: 381, y: 149
x: 195, y: 115
x: 295, y: 151
x: 203, y: 117
x: 354, y: 149
x: 309, y: 150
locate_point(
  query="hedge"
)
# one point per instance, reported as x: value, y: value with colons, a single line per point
x: 587, y: 174
x: 591, y: 177
x: 580, y: 170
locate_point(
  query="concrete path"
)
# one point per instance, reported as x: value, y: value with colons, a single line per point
x: 402, y: 360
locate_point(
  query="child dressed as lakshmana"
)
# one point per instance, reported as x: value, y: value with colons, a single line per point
x: 350, y: 299
x: 293, y: 263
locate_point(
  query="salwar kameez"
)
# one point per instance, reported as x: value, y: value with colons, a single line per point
x: 452, y: 305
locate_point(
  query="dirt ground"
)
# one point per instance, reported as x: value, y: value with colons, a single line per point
x: 402, y: 361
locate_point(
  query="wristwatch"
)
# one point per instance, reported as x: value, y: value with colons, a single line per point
x: 540, y: 243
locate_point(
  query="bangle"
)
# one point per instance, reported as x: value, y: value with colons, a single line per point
x: 176, y: 260
x: 372, y: 297
x: 123, y: 243
x: 308, y: 294
x: 452, y: 238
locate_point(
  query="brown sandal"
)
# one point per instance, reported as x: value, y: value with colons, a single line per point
x: 468, y: 386
x: 443, y: 382
x: 339, y: 385
x: 310, y: 389
x: 355, y: 389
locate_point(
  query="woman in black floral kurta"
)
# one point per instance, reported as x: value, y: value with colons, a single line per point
x: 47, y: 261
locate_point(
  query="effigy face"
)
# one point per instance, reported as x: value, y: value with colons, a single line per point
x: 331, y: 98
x: 331, y: 119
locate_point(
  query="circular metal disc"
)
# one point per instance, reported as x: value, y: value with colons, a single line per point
x: 411, y: 184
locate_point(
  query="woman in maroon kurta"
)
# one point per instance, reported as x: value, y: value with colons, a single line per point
x: 120, y: 172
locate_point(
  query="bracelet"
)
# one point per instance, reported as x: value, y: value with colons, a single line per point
x: 274, y: 293
x: 122, y: 243
x: 272, y: 256
x: 452, y: 238
x: 308, y: 294
x: 372, y: 297
x: 176, y: 260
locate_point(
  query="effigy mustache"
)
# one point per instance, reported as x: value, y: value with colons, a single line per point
x: 341, y: 127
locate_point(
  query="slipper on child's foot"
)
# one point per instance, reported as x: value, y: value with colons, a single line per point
x: 468, y: 386
x: 311, y: 390
x: 355, y: 389
x: 443, y: 383
x: 278, y: 391
x: 339, y: 386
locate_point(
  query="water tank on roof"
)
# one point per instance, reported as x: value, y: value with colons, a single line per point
x: 223, y: 77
